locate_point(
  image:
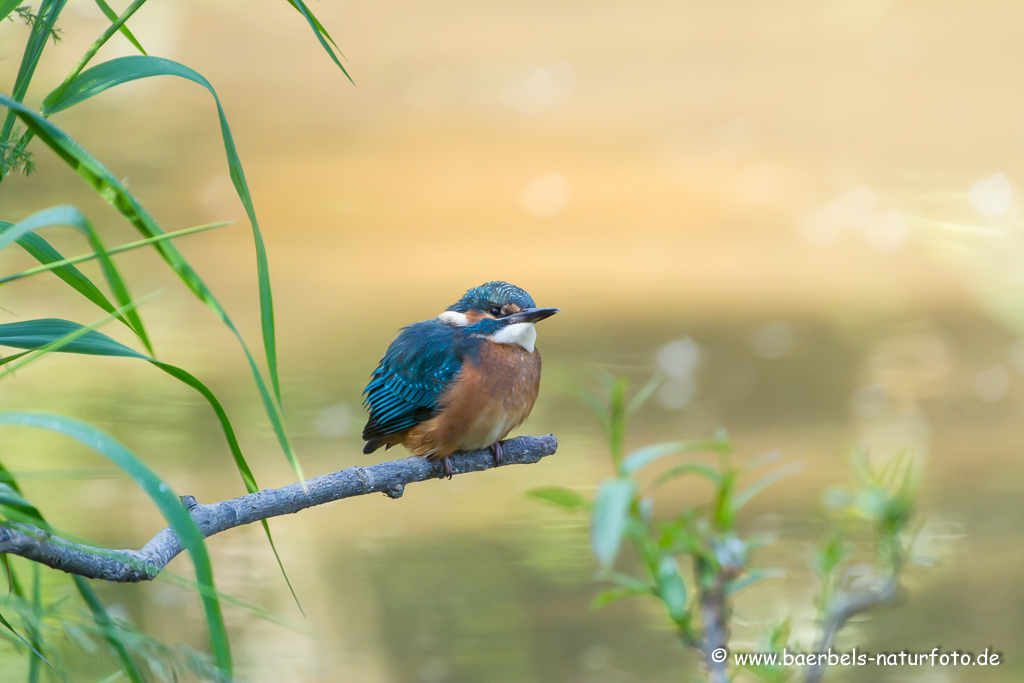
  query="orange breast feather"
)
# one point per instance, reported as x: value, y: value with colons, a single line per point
x: 487, y: 400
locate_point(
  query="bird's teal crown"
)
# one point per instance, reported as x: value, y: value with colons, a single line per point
x: 495, y: 293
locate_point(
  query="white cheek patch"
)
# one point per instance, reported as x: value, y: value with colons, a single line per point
x: 524, y: 334
x: 454, y: 318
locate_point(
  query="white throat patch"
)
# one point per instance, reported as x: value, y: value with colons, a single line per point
x: 524, y: 334
x: 454, y: 318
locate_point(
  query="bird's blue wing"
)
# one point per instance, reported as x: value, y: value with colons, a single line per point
x: 405, y: 388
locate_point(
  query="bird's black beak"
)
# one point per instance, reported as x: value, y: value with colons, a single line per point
x: 531, y: 315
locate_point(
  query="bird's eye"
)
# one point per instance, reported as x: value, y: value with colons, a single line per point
x: 495, y: 311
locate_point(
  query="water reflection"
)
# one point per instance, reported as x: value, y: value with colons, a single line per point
x: 470, y: 581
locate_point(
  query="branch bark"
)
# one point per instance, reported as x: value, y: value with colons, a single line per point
x: 129, y: 566
x: 847, y: 606
x: 715, y: 610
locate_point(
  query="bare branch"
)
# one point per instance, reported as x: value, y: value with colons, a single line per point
x: 715, y: 605
x: 389, y: 478
x: 845, y: 607
x: 715, y: 615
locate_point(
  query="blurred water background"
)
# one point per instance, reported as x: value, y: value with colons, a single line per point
x: 806, y: 214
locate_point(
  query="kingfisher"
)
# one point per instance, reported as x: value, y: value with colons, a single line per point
x: 461, y: 381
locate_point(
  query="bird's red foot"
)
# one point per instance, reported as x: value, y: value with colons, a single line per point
x: 447, y: 468
x: 498, y: 452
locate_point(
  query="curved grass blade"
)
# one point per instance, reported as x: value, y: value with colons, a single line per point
x: 697, y: 468
x: 236, y: 451
x: 16, y: 337
x: 7, y: 479
x: 41, y: 250
x: 108, y: 628
x: 606, y: 597
x: 6, y: 624
x: 114, y: 192
x: 37, y: 611
x: 114, y: 27
x: 624, y: 590
x: 162, y: 496
x: 255, y: 610
x: 38, y: 334
x: 762, y: 459
x: 8, y: 6
x: 320, y: 33
x: 36, y: 517
x: 318, y: 26
x: 560, y: 496
x: 112, y: 15
x: 13, y: 357
x: 645, y: 456
x: 9, y: 496
x: 14, y: 587
x: 747, y: 494
x: 42, y: 29
x: 52, y: 260
x: 84, y: 60
x: 646, y: 391
x: 72, y: 217
x: 125, y: 69
x: 752, y: 577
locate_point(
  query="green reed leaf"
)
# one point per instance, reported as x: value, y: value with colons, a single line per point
x: 671, y: 588
x: 126, y: 69
x: 37, y: 612
x: 321, y: 34
x: 41, y: 250
x: 73, y: 218
x: 560, y: 496
x: 114, y: 192
x: 10, y: 496
x: 608, y: 520
x: 7, y: 625
x: 88, y: 595
x: 35, y: 334
x: 747, y: 494
x: 162, y: 496
x: 42, y: 29
x: 109, y: 629
x: 752, y: 577
x: 645, y: 456
x: 646, y: 391
x: 52, y: 260
x: 109, y: 12
x: 8, y: 6
x: 71, y: 338
x: 612, y: 594
x: 697, y: 468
